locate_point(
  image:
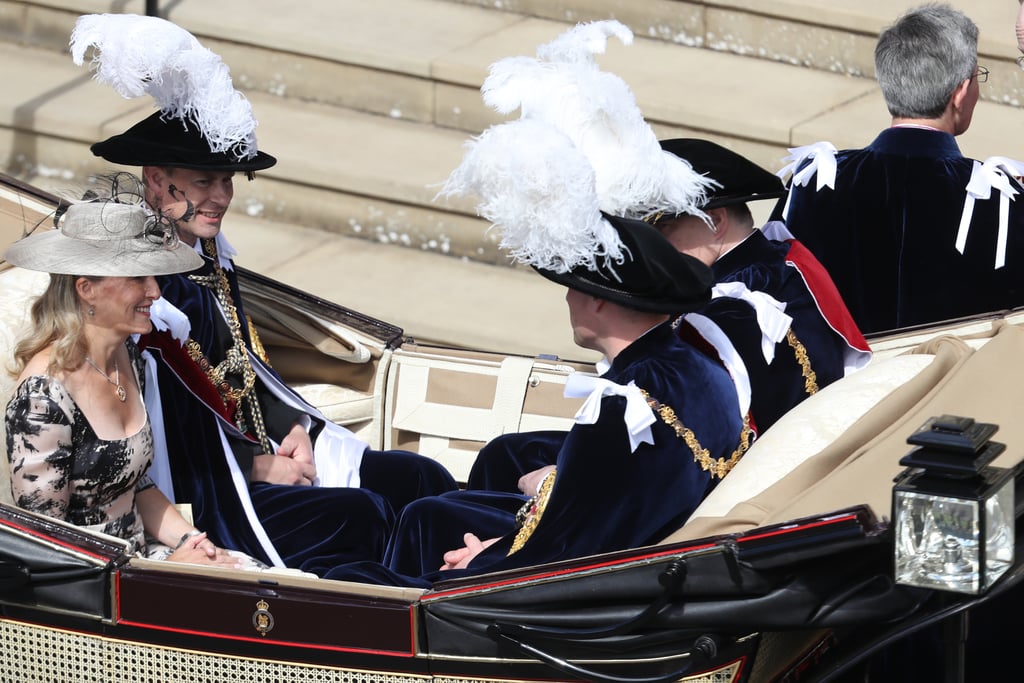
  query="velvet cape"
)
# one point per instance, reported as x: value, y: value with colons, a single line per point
x: 887, y: 233
x: 605, y: 497
x: 210, y: 459
x: 821, y: 323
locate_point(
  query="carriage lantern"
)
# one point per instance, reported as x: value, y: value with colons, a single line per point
x: 953, y: 513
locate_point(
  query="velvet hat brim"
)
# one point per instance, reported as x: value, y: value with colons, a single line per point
x: 740, y: 179
x: 170, y: 142
x: 654, y: 277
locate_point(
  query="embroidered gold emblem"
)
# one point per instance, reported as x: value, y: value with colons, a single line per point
x: 529, y: 515
x: 262, y: 619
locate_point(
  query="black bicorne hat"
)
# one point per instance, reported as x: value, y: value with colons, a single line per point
x: 740, y: 179
x: 653, y: 277
x: 161, y: 141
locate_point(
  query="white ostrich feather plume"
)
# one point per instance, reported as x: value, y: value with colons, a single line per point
x: 564, y: 87
x: 538, y: 190
x: 139, y: 55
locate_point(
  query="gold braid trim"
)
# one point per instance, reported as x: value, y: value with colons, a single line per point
x: 800, y: 351
x: 529, y: 515
x: 745, y: 434
x: 718, y: 467
x: 257, y: 343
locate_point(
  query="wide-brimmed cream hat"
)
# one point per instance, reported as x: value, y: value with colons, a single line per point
x: 105, y: 239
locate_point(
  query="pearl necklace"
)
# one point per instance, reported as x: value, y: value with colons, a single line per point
x: 122, y: 395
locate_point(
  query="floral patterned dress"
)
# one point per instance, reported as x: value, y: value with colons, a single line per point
x: 60, y: 468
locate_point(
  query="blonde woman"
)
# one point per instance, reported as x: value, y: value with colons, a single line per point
x: 78, y: 436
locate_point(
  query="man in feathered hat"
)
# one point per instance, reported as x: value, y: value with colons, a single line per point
x: 658, y: 428
x: 910, y: 229
x: 564, y: 89
x: 265, y: 472
x: 774, y: 308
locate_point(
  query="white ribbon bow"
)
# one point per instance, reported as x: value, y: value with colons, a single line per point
x: 771, y: 318
x: 823, y: 162
x: 639, y: 416
x: 166, y: 316
x: 992, y: 174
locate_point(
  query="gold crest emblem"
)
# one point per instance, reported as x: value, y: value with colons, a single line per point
x: 262, y: 619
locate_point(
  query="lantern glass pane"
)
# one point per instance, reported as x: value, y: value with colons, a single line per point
x: 937, y: 541
x: 1000, y: 533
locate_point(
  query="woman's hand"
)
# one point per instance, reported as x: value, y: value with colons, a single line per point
x: 198, y: 549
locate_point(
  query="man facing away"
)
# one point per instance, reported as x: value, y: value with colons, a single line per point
x: 910, y: 230
x: 774, y: 308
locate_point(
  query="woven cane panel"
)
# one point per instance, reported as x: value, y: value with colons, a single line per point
x: 34, y: 654
x: 31, y: 654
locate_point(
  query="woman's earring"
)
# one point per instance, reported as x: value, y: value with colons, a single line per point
x: 91, y: 311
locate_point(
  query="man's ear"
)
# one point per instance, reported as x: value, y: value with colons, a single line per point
x: 957, y: 98
x: 153, y: 178
x: 720, y: 219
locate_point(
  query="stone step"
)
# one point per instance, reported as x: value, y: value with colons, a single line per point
x: 831, y: 35
x: 406, y: 36
x: 367, y: 105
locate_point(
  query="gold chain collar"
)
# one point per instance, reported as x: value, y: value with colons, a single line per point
x: 800, y: 351
x: 236, y: 358
x: 718, y: 467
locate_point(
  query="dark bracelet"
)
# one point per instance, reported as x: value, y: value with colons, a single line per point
x: 187, y: 535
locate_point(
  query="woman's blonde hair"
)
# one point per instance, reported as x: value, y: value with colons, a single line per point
x: 57, y: 321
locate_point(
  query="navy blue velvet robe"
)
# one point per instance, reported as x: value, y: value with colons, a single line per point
x: 887, y: 233
x: 765, y: 265
x: 605, y: 498
x: 311, y: 528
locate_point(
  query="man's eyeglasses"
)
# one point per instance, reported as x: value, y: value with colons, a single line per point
x: 981, y: 74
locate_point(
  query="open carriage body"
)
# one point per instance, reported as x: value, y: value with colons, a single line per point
x: 784, y: 573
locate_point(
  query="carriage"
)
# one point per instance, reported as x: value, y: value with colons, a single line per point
x: 784, y: 573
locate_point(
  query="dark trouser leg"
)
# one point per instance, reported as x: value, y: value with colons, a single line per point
x: 402, y: 476
x: 501, y: 463
x: 314, y: 528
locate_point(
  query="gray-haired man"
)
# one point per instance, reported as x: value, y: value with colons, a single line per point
x: 910, y: 230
